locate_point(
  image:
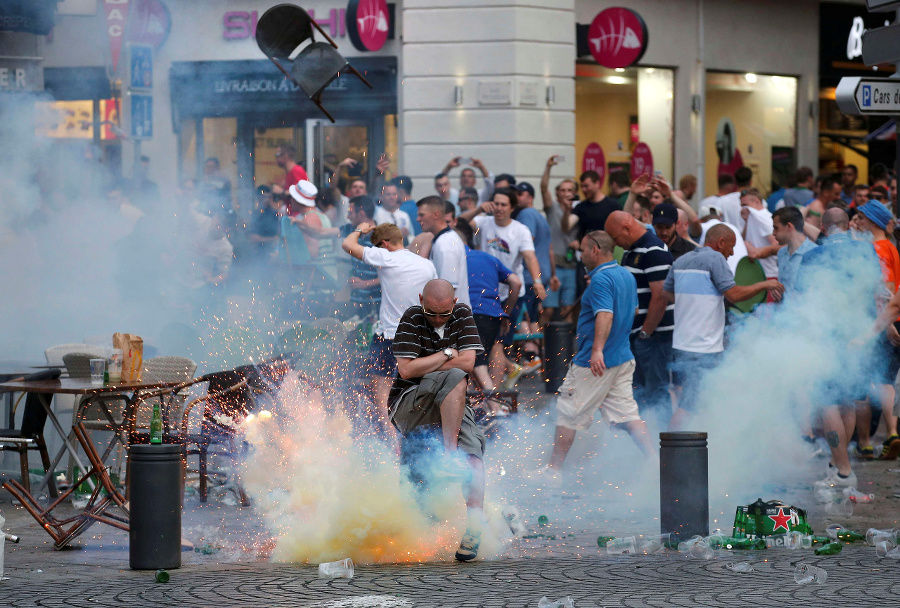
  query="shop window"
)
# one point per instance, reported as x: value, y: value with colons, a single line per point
x: 65, y: 119
x: 266, y: 142
x: 619, y: 108
x: 220, y: 141
x: 751, y: 120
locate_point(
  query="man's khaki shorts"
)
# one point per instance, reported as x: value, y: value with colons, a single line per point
x: 582, y: 393
x: 420, y: 406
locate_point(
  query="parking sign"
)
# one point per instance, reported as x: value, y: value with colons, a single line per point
x: 867, y: 96
x: 141, y: 116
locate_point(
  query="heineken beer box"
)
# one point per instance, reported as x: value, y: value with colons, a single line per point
x: 763, y: 519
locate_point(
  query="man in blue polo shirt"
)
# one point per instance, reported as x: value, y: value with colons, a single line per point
x: 601, y: 373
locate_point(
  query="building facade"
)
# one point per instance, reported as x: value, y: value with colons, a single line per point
x: 721, y: 83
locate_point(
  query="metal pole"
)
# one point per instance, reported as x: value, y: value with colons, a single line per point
x: 896, y: 75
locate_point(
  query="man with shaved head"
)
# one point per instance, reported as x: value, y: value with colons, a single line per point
x: 697, y: 283
x: 649, y: 260
x: 435, y: 348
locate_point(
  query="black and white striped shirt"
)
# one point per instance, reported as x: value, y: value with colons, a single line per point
x: 417, y: 338
x: 649, y: 261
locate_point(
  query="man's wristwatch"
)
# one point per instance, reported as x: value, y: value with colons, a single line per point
x: 643, y: 335
x: 448, y: 352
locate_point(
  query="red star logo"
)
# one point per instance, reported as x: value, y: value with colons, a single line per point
x: 781, y: 520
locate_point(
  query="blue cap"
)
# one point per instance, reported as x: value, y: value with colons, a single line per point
x: 877, y: 212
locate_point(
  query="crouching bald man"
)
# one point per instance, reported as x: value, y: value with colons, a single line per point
x: 435, y: 348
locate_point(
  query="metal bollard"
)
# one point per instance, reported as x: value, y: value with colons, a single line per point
x: 155, y: 489
x: 684, y: 484
x: 559, y: 348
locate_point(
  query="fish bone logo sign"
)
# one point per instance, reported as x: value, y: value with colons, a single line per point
x: 617, y: 37
x: 367, y: 24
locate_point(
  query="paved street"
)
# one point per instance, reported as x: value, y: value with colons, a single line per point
x: 563, y: 561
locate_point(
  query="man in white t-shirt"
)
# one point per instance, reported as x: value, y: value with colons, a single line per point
x: 726, y: 187
x: 510, y: 242
x: 697, y: 283
x: 758, y: 231
x: 448, y: 252
x: 403, y: 275
x: 739, y: 249
x: 389, y: 212
x: 730, y: 204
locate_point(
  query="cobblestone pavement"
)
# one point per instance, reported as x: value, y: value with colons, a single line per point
x: 565, y: 562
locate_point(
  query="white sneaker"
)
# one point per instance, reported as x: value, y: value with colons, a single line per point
x: 529, y: 367
x: 836, y: 481
x: 545, y: 476
x: 513, y: 376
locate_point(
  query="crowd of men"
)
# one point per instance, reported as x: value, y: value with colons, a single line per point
x: 462, y: 282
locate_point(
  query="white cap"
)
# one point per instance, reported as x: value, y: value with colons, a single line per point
x: 304, y: 192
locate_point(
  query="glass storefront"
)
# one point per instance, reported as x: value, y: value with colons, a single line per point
x: 751, y: 120
x: 619, y: 108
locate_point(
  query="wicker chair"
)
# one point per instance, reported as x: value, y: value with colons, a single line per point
x: 55, y: 354
x: 161, y: 369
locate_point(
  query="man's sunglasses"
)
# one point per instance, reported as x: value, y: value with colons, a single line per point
x: 428, y: 313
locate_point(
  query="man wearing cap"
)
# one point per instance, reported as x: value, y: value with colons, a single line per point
x: 697, y: 283
x: 526, y: 214
x: 285, y: 157
x: 303, y: 195
x: 874, y: 217
x: 665, y: 219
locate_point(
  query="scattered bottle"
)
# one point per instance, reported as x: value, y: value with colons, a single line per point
x: 162, y: 576
x: 602, y: 540
x: 543, y: 521
x: 874, y: 535
x: 156, y: 425
x: 565, y: 602
x: 514, y: 520
x: 620, y: 546
x: 849, y: 536
x: 858, y: 497
x: 805, y: 574
x: 829, y: 549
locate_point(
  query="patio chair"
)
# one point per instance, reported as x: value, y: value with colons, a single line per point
x: 101, y: 412
x: 160, y: 369
x: 105, y: 505
x: 281, y: 30
x: 54, y: 354
x: 30, y: 436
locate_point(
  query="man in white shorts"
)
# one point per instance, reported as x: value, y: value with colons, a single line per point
x: 600, y: 377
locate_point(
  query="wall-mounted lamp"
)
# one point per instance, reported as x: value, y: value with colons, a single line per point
x: 458, y: 95
x: 551, y: 95
x: 696, y: 104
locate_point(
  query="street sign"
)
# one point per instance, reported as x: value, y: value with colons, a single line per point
x: 868, y: 96
x: 140, y: 67
x: 881, y: 45
x: 876, y: 6
x: 141, y: 116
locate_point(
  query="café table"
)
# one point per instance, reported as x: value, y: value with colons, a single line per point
x: 46, y: 389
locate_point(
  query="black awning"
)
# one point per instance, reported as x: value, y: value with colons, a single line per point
x: 233, y: 88
x: 66, y: 84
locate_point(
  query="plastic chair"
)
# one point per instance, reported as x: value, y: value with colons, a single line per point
x: 282, y: 29
x: 30, y: 436
x: 55, y: 354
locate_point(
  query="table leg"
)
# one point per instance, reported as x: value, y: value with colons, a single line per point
x: 45, y: 400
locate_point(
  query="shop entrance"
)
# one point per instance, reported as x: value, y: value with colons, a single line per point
x: 328, y: 144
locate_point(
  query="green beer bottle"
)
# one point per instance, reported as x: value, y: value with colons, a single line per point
x: 829, y: 549
x: 848, y: 536
x: 156, y: 425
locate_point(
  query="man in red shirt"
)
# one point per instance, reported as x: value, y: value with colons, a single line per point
x: 286, y: 156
